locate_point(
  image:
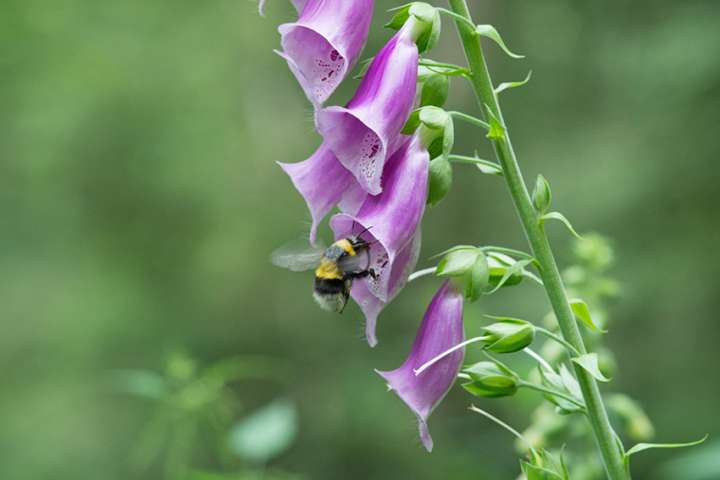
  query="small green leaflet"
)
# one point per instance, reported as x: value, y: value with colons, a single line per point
x: 497, y: 131
x: 508, y: 85
x: 582, y: 312
x: 561, y: 217
x: 517, y: 267
x: 647, y: 446
x: 490, y: 32
x: 590, y: 363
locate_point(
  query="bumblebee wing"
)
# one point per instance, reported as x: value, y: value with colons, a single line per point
x: 297, y: 256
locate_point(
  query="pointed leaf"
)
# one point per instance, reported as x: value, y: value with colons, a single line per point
x: 561, y: 217
x: 479, y: 278
x: 508, y: 85
x: 589, y: 362
x: 490, y: 32
x: 647, y: 446
x: 582, y: 312
x: 513, y: 269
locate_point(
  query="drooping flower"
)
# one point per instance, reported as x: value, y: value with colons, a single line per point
x: 440, y: 330
x: 362, y: 134
x: 390, y: 222
x: 324, y: 183
x: 324, y: 43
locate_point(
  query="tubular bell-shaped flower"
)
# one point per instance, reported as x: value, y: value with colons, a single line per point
x: 324, y: 43
x: 441, y: 329
x: 390, y: 222
x: 362, y: 134
x: 324, y: 183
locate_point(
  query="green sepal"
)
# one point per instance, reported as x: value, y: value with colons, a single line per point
x: 514, y: 269
x: 497, y: 131
x: 490, y: 32
x: 499, y: 266
x: 590, y: 363
x: 413, y: 122
x: 542, y: 195
x: 424, y: 13
x: 508, y: 85
x: 559, y: 216
x: 435, y: 91
x: 458, y: 262
x: 478, y: 278
x: 582, y: 313
x: 440, y: 179
x: 544, y: 466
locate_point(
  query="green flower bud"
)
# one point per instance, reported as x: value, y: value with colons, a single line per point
x: 435, y: 91
x: 489, y: 379
x: 509, y: 335
x: 441, y: 177
x: 542, y: 197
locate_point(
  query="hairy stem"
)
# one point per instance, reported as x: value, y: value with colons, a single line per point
x: 484, y: 90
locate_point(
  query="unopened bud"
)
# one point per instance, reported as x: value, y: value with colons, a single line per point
x: 488, y: 379
x: 509, y: 335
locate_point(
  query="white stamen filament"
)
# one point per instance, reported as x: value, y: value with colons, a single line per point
x: 421, y: 273
x: 447, y: 352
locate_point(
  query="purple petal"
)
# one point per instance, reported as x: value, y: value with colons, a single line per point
x: 441, y: 329
x: 324, y: 182
x: 392, y: 217
x: 325, y: 42
x: 362, y: 133
x: 371, y: 305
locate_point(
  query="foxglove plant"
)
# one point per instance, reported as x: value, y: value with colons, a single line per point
x: 381, y: 162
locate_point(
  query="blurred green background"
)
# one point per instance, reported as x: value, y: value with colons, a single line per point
x: 139, y: 201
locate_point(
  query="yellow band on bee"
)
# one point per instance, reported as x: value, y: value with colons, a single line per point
x: 346, y: 245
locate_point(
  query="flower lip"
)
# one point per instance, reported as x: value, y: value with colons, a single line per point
x: 441, y: 328
x: 324, y: 43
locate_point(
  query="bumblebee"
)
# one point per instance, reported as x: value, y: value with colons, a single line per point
x: 335, y: 268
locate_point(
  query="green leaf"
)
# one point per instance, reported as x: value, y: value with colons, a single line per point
x: 647, y: 446
x: 516, y: 268
x: 266, y: 433
x: 582, y: 312
x: 451, y: 249
x: 508, y: 85
x: 400, y: 17
x: 488, y: 168
x: 479, y: 278
x: 590, y: 363
x: 440, y: 180
x: 542, y: 196
x: 534, y: 472
x: 412, y: 124
x: 435, y: 91
x: 497, y: 131
x: 561, y: 217
x: 490, y: 32
x: 457, y: 262
x: 141, y: 383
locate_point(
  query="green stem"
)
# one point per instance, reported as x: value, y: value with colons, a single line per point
x: 558, y: 339
x: 470, y: 119
x: 482, y: 84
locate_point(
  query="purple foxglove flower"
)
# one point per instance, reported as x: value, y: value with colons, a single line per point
x: 324, y: 43
x: 362, y: 134
x: 324, y: 182
x: 440, y: 330
x: 390, y: 221
x: 371, y: 306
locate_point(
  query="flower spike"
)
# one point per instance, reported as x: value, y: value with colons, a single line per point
x: 441, y: 328
x: 324, y: 43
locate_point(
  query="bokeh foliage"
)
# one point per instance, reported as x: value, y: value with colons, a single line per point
x: 140, y: 201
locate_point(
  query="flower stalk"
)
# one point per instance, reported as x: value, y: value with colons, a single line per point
x: 482, y: 85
